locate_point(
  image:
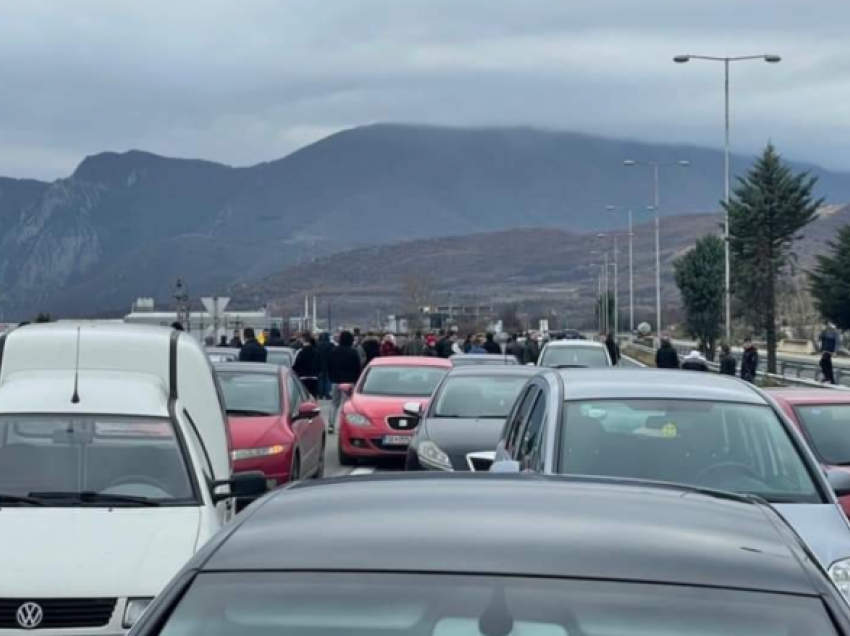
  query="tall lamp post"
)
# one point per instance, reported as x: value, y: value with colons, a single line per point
x: 656, y: 166
x: 616, y: 263
x: 727, y: 63
x: 615, y: 208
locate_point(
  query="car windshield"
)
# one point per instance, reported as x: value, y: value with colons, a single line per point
x: 402, y: 381
x: 478, y: 397
x: 593, y: 357
x: 828, y: 428
x: 86, y: 460
x: 736, y: 447
x: 468, y: 361
x: 304, y: 604
x: 255, y: 394
x: 280, y: 357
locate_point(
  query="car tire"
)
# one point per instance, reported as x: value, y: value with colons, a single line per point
x: 320, y: 469
x: 344, y: 458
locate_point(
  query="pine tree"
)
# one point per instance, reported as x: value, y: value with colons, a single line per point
x: 700, y: 276
x: 770, y: 206
x: 830, y: 282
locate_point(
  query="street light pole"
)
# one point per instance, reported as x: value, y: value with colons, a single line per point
x: 727, y: 158
x: 656, y: 165
x: 616, y: 286
x: 614, y: 208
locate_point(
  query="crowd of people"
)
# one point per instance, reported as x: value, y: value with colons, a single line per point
x: 668, y: 358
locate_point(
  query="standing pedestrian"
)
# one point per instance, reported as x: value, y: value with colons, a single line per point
x: 728, y: 363
x: 275, y: 338
x: 325, y: 348
x: 491, y: 346
x: 415, y: 345
x: 236, y: 341
x: 223, y: 341
x: 478, y: 345
x: 444, y: 345
x: 430, y: 350
x: 252, y: 350
x: 388, y: 347
x: 666, y: 356
x: 515, y: 348
x: 307, y: 365
x: 829, y: 345
x: 371, y: 347
x: 694, y: 362
x: 343, y: 368
x: 613, y: 349
x: 749, y: 361
x: 468, y: 344
x: 531, y: 353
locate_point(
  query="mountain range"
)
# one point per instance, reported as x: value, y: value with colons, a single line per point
x: 129, y: 224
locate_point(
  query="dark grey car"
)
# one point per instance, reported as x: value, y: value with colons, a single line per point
x: 465, y: 417
x: 430, y: 554
x: 704, y: 430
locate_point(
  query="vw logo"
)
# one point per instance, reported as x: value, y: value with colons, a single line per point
x: 30, y: 615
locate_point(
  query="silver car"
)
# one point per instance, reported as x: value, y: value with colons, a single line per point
x: 697, y: 429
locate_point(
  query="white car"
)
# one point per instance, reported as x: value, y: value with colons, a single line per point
x: 565, y: 354
x: 114, y: 471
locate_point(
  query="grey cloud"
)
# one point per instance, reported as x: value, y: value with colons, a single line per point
x: 250, y: 81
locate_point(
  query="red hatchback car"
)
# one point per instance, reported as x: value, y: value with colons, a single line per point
x: 373, y: 423
x: 275, y: 427
x: 823, y: 416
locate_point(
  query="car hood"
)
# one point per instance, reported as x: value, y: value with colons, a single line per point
x: 249, y: 432
x: 455, y: 436
x: 379, y: 407
x: 94, y: 552
x: 823, y: 527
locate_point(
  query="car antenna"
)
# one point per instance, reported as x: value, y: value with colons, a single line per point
x: 75, y: 399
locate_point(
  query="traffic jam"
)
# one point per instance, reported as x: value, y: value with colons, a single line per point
x: 153, y: 485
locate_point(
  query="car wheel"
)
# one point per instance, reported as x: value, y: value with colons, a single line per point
x: 344, y: 458
x: 295, y: 475
x: 320, y: 469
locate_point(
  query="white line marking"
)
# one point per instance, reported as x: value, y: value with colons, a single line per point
x: 362, y: 471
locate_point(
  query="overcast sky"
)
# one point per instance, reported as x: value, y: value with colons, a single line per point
x: 251, y: 80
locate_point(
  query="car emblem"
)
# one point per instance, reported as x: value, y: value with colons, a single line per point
x: 402, y: 423
x: 30, y: 615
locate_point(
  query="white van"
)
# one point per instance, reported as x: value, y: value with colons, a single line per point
x: 114, y: 470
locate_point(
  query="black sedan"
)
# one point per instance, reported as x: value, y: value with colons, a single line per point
x: 461, y: 428
x: 449, y: 554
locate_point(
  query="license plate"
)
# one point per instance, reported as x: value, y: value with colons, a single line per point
x: 396, y: 440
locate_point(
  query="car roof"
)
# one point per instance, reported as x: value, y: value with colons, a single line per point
x: 574, y: 343
x: 599, y: 384
x: 494, y: 370
x: 410, y: 361
x: 283, y: 349
x: 247, y: 367
x: 519, y: 525
x: 810, y: 396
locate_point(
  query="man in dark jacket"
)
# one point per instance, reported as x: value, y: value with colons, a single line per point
x: 728, y: 363
x: 343, y: 368
x: 275, y: 338
x: 236, y: 341
x: 531, y: 353
x: 613, y: 349
x: 307, y: 365
x: 666, y: 356
x: 325, y: 348
x: 749, y: 362
x: 515, y: 348
x: 491, y: 346
x: 415, y: 345
x: 371, y: 347
x: 252, y: 350
x: 829, y: 345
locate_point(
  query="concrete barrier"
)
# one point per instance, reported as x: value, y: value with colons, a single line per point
x: 801, y: 347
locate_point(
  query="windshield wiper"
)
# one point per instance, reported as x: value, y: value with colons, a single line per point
x: 570, y: 366
x: 90, y: 497
x: 249, y: 413
x: 17, y: 499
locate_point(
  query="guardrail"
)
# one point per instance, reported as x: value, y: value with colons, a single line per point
x: 776, y: 377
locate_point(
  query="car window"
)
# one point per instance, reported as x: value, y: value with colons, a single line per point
x: 477, y: 397
x: 251, y: 394
x: 519, y: 416
x: 532, y: 430
x: 111, y: 455
x: 565, y: 357
x: 828, y: 429
x: 738, y: 447
x: 402, y: 381
x: 342, y: 604
x: 296, y: 394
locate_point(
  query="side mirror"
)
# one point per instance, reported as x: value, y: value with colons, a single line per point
x: 506, y: 467
x: 413, y: 409
x: 308, y: 410
x: 840, y: 482
x: 245, y: 486
x: 346, y: 389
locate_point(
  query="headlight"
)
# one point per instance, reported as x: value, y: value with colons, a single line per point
x: 135, y: 608
x: 355, y: 419
x: 433, y: 455
x: 839, y: 572
x: 253, y: 453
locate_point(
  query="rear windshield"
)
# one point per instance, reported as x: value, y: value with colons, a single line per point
x: 466, y: 361
x: 477, y: 397
x: 565, y: 357
x: 251, y: 393
x: 338, y: 604
x: 828, y: 428
x: 737, y: 447
x: 282, y: 358
x: 402, y: 381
